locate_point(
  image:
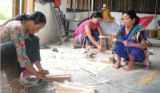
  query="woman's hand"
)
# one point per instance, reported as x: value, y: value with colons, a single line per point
x: 129, y: 44
x: 45, y: 72
x: 125, y: 43
x: 31, y: 70
x: 143, y: 46
x: 40, y: 75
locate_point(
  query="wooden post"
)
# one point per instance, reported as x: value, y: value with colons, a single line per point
x: 28, y: 6
x: 15, y: 9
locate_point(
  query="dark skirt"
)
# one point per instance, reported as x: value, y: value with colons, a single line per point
x: 123, y: 51
x: 9, y: 62
x: 33, y: 48
x: 95, y: 35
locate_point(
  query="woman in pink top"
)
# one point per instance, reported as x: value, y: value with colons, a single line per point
x: 88, y: 32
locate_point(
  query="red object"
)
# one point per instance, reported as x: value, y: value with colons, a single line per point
x: 145, y: 21
x: 57, y: 3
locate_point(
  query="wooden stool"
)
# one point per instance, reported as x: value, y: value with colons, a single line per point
x: 106, y: 41
x: 111, y: 40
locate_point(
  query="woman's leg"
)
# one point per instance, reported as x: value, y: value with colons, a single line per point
x: 135, y: 54
x: 146, y: 60
x: 130, y: 63
x: 78, y: 41
x: 118, y: 61
x: 74, y: 43
x: 10, y: 65
x: 121, y: 53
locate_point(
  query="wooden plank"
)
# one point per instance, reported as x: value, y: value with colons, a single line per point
x: 73, y: 88
x: 59, y: 78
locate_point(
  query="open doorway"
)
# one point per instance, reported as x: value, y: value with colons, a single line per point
x: 5, y: 10
x: 10, y: 8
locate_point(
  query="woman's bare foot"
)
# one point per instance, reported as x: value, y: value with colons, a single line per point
x: 128, y: 68
x: 147, y: 64
x: 116, y: 65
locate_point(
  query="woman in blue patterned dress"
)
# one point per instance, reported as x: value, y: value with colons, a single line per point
x: 130, y: 44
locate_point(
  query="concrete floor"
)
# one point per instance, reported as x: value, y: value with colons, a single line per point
x: 98, y: 71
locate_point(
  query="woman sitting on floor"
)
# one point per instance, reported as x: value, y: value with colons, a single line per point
x: 131, y: 42
x: 88, y: 32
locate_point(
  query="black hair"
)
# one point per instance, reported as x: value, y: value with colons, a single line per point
x: 37, y: 17
x: 96, y: 15
x: 132, y: 14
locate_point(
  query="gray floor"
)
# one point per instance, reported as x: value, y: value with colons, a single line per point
x: 97, y: 71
